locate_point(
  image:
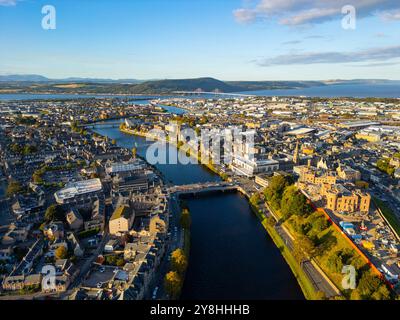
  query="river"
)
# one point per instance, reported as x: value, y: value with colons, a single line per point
x: 232, y: 256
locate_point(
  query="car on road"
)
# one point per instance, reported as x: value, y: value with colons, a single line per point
x: 102, y: 269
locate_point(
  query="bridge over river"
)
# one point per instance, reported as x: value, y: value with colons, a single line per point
x: 197, y: 188
x: 215, y: 93
x: 115, y: 123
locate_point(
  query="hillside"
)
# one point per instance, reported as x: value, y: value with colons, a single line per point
x: 39, y: 84
x: 168, y: 86
x: 27, y: 84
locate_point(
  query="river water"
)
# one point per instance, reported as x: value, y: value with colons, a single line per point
x: 231, y: 257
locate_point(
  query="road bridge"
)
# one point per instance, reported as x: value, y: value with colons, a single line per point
x: 214, y: 93
x: 197, y: 188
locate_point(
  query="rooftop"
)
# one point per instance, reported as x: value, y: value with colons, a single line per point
x: 122, y: 211
x: 77, y: 188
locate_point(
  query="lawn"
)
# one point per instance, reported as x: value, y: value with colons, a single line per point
x: 331, y: 240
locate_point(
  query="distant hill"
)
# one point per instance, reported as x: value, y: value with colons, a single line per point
x: 199, y: 84
x: 38, y: 78
x: 23, y: 77
x: 94, y: 80
x: 40, y: 84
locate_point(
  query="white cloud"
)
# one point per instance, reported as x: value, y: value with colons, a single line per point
x: 390, y: 15
x: 368, y: 55
x: 299, y: 12
x: 8, y: 3
x: 245, y: 15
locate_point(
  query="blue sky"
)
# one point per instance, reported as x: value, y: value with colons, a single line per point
x: 225, y: 39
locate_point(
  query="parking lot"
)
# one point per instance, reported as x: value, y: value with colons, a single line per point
x: 97, y: 277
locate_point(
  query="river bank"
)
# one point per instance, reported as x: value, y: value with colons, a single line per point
x: 225, y: 235
x: 301, y: 278
x: 155, y: 138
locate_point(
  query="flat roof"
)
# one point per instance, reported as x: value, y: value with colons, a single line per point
x: 77, y: 188
x: 355, y: 124
x: 124, y: 166
x: 301, y: 131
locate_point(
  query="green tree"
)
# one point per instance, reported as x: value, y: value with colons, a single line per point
x: 173, y: 284
x: 179, y: 261
x: 185, y: 219
x: 334, y: 262
x: 319, y: 224
x: 28, y: 149
x: 16, y: 148
x: 382, y: 293
x: 298, y: 252
x: 303, y: 248
x: 294, y: 203
x: 255, y: 199
x: 54, y: 212
x: 134, y: 152
x: 14, y: 187
x: 37, y: 177
x: 307, y: 245
x: 368, y: 284
x: 384, y: 166
x: 61, y: 253
x: 276, y: 186
x: 50, y: 213
x: 120, y: 262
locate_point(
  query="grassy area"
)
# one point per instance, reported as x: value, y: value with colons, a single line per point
x: 330, y: 240
x: 305, y: 284
x: 388, y: 213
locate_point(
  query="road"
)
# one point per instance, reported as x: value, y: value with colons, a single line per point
x: 175, y: 241
x: 318, y: 281
x: 388, y: 198
x: 87, y: 265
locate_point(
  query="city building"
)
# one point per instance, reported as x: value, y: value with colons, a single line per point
x: 79, y: 192
x: 122, y: 220
x: 340, y: 199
